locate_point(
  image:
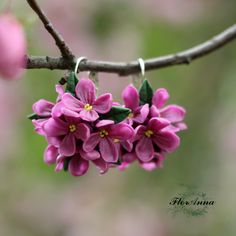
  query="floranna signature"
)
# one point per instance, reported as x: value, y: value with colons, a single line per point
x: 191, y: 202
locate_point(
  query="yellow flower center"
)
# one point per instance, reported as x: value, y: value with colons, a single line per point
x: 131, y: 115
x: 88, y: 107
x: 116, y: 140
x: 103, y: 133
x: 72, y: 128
x: 148, y: 133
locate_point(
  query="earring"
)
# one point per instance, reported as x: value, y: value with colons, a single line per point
x: 138, y: 80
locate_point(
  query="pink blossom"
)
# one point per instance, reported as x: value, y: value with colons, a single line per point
x: 12, y: 47
x: 78, y: 166
x: 131, y: 99
x: 106, y: 137
x: 86, y: 106
x: 50, y: 154
x: 64, y: 133
x: 153, y: 138
x: 174, y: 113
x: 44, y: 109
x: 156, y: 162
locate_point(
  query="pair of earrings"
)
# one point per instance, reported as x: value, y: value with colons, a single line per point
x: 81, y: 128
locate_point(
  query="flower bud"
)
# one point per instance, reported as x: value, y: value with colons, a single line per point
x: 12, y: 47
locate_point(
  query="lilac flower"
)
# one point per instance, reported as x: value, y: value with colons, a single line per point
x: 64, y: 133
x: 78, y: 166
x: 106, y: 137
x: 156, y: 162
x: 131, y: 99
x: 44, y: 109
x: 154, y: 136
x: 174, y: 113
x: 87, y: 106
x: 51, y: 154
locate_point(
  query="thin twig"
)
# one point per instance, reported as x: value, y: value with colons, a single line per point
x: 127, y: 68
x: 60, y: 42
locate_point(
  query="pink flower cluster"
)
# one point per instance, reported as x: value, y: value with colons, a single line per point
x: 82, y: 129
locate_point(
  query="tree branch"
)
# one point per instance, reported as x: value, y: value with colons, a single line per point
x: 67, y: 61
x: 61, y: 44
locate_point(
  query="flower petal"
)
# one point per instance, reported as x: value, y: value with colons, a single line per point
x: 101, y: 165
x: 86, y: 91
x: 55, y: 127
x: 154, y: 111
x: 103, y: 103
x: 108, y: 150
x: 38, y: 126
x: 102, y: 123
x: 59, y: 166
x: 78, y: 166
x: 60, y: 90
x: 131, y: 97
x: 139, y: 132
x: 156, y: 162
x: 181, y: 126
x: 57, y: 110
x: 141, y: 114
x: 50, y: 154
x: 89, y: 156
x: 144, y: 149
x: 173, y: 113
x: 82, y: 131
x: 127, y: 145
x: 72, y: 103
x: 89, y: 115
x: 160, y: 97
x: 91, y: 142
x: 121, y: 131
x: 55, y: 141
x: 129, y: 157
x: 166, y: 140
x: 68, y: 145
x: 156, y: 124
x: 123, y: 166
x: 43, y: 107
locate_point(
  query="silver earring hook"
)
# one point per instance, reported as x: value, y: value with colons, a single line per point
x: 142, y: 66
x: 79, y: 60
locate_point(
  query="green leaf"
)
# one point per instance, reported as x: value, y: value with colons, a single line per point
x: 66, y: 163
x: 71, y: 84
x: 145, y: 93
x: 34, y: 116
x: 117, y: 114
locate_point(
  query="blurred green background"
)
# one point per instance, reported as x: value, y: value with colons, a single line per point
x: 36, y: 201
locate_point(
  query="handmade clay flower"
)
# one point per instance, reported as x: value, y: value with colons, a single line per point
x: 152, y: 137
x: 131, y: 100
x: 64, y: 133
x: 81, y: 129
x: 106, y: 137
x: 174, y: 113
x: 86, y: 106
x: 78, y: 166
x: 43, y: 109
x: 12, y: 47
x: 155, y: 163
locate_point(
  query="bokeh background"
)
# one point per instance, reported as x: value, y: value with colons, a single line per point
x: 36, y: 201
